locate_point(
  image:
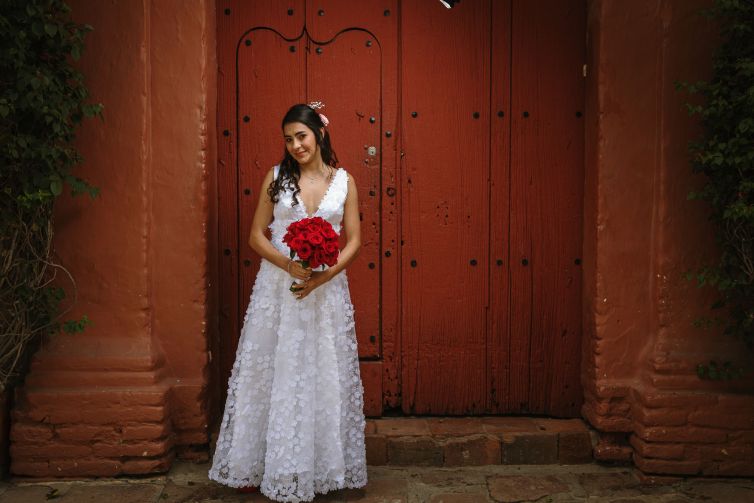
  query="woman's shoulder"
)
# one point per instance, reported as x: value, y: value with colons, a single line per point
x: 270, y: 176
x: 348, y: 177
x: 347, y: 184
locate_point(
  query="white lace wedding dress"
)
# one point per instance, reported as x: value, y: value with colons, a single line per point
x: 294, y: 422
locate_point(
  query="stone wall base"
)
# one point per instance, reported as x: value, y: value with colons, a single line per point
x: 88, y: 431
x: 107, y: 416
x: 674, y: 432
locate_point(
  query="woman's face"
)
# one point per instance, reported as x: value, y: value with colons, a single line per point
x: 300, y: 142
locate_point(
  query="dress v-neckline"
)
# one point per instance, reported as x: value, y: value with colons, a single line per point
x: 324, y: 196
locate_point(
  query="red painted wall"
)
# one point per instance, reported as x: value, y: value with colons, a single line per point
x: 641, y: 234
x: 183, y: 247
x: 128, y: 393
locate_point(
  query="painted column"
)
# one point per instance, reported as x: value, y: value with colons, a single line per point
x: 129, y: 393
x: 641, y: 235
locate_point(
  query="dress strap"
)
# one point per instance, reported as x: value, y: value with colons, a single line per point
x: 344, y: 180
x: 275, y: 171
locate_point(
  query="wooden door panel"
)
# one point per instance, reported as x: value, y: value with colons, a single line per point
x: 372, y: 293
x: 558, y: 288
x: 235, y: 19
x: 271, y: 77
x: 265, y: 54
x: 345, y: 74
x: 445, y: 117
x: 547, y: 157
x: 498, y: 337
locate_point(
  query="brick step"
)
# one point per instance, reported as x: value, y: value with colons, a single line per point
x: 477, y: 440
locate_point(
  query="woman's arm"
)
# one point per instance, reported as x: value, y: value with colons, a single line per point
x: 259, y: 242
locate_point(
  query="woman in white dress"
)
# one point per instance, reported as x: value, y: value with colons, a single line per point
x: 294, y: 422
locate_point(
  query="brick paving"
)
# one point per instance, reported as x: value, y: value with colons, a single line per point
x: 187, y: 482
x: 433, y: 460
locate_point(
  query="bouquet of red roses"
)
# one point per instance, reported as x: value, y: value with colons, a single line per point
x: 314, y: 242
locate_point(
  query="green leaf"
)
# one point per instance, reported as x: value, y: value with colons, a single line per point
x: 56, y: 188
x: 76, y: 326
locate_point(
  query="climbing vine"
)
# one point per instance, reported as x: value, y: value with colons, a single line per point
x: 43, y: 100
x: 725, y: 155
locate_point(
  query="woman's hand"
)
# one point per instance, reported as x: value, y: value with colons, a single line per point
x: 296, y: 270
x: 318, y: 278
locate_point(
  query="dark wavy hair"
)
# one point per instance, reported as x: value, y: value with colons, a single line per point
x: 289, y: 170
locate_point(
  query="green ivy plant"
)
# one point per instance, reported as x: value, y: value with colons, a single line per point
x: 42, y: 101
x: 725, y: 155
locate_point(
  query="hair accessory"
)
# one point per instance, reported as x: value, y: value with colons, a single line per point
x: 316, y: 105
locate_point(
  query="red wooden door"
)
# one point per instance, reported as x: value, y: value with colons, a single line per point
x: 270, y: 56
x: 470, y: 186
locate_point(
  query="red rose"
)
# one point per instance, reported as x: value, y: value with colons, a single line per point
x: 329, y: 233
x: 318, y: 258
x: 315, y: 238
x: 328, y: 260
x: 314, y: 227
x: 331, y: 248
x: 304, y: 251
x: 296, y: 243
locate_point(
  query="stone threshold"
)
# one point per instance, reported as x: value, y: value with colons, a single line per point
x: 477, y: 441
